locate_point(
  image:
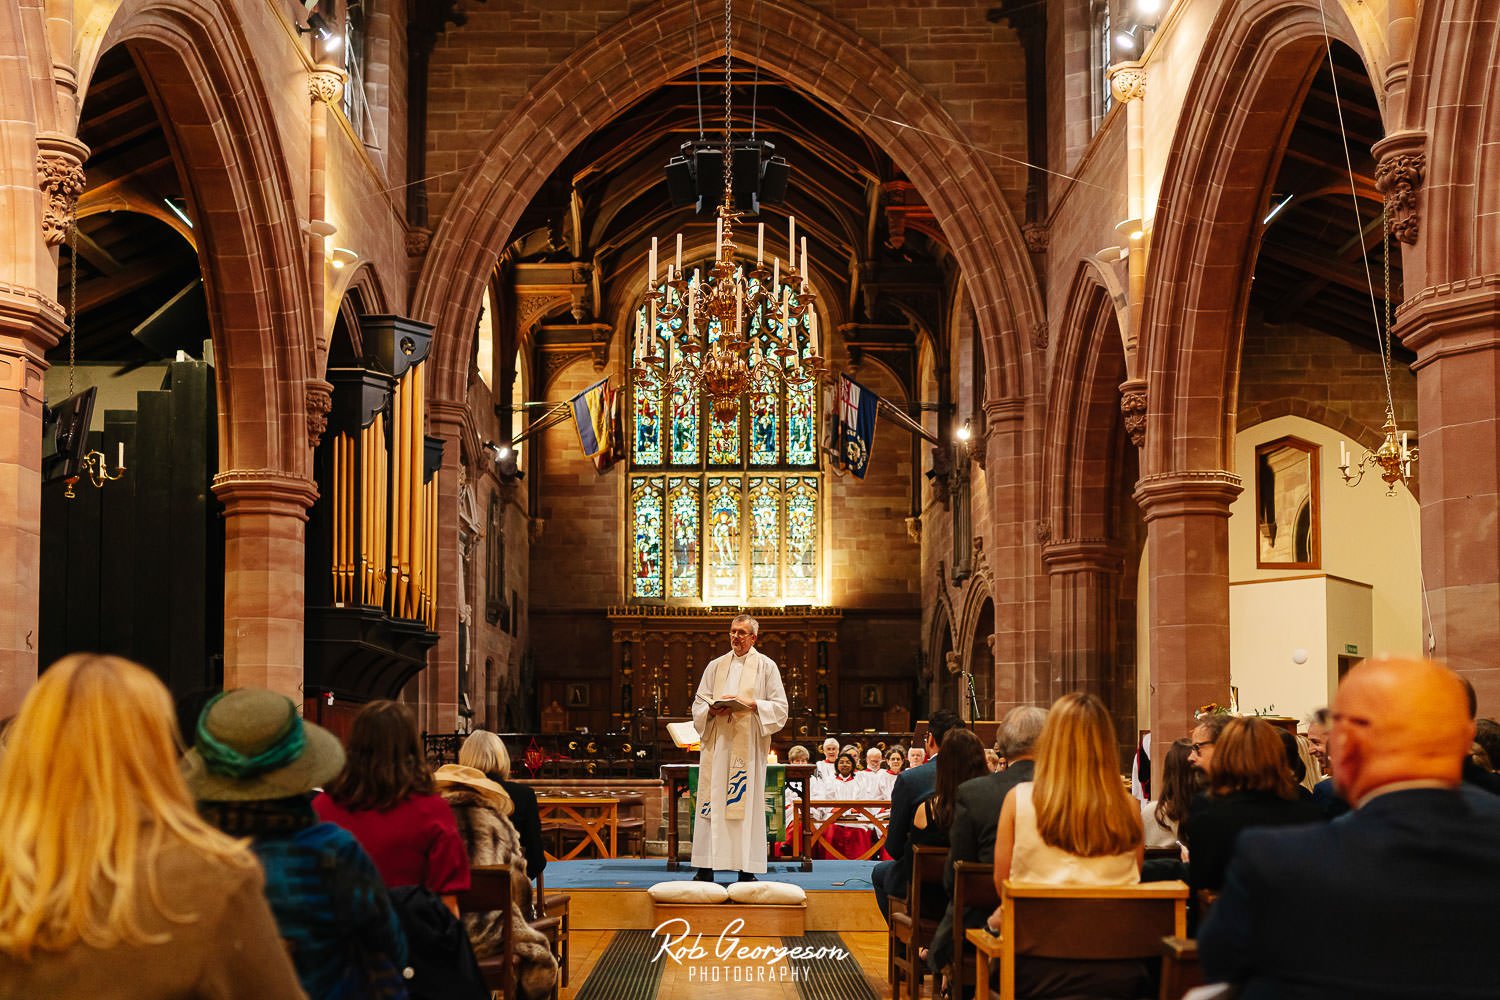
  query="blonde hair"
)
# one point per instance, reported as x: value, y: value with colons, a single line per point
x: 1082, y: 806
x: 484, y: 751
x: 90, y: 797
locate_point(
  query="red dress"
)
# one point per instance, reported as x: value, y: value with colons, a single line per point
x: 415, y: 843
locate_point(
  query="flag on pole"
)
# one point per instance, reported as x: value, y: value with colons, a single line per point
x: 591, y: 417
x: 612, y: 446
x: 854, y: 425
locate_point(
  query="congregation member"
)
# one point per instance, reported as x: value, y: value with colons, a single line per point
x: 1473, y: 773
x: 1204, y: 737
x: 385, y: 796
x: 1075, y: 823
x: 111, y: 883
x: 1409, y: 878
x: 911, y: 787
x: 482, y: 809
x: 1298, y: 764
x: 1487, y: 738
x: 976, y: 813
x: 1317, y: 738
x: 1162, y: 817
x: 916, y: 757
x: 849, y: 837
x: 486, y: 753
x: 1249, y: 785
x: 729, y: 829
x: 253, y: 767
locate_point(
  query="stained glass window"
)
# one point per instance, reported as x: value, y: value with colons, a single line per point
x: 724, y: 438
x: 683, y: 504
x: 724, y: 497
x: 724, y: 512
x: 646, y: 545
x: 765, y: 537
x: 801, y: 538
x: 685, y: 430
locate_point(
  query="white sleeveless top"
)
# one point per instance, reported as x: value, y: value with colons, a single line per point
x: 1038, y: 863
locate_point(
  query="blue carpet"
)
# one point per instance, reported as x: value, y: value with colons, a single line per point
x: 642, y: 873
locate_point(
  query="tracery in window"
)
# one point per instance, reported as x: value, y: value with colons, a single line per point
x: 724, y: 511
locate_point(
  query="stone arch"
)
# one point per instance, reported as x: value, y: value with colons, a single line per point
x: 1083, y: 411
x: 1223, y: 159
x: 812, y: 52
x: 197, y: 66
x: 1454, y: 68
x: 356, y: 291
x: 26, y: 255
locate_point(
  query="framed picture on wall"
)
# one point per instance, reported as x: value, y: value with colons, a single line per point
x: 871, y: 696
x: 578, y: 696
x: 1286, y: 505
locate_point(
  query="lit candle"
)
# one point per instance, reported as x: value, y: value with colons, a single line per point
x: 120, y: 462
x: 804, y: 256
x: 653, y: 262
x: 775, y: 274
x: 1343, y: 455
x: 679, y: 255
x: 791, y: 239
x: 760, y: 243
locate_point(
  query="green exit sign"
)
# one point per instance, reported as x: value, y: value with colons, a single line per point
x: 1352, y: 648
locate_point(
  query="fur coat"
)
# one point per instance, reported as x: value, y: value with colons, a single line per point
x: 492, y: 840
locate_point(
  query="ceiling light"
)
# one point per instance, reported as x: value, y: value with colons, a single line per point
x: 177, y: 211
x: 1148, y: 10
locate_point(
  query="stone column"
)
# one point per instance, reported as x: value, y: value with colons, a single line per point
x: 1455, y: 330
x: 1187, y: 546
x: 439, y: 682
x: 1084, y: 574
x: 1013, y: 555
x: 30, y: 323
x: 265, y: 556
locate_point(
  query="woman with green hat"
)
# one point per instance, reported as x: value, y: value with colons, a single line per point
x: 254, y: 768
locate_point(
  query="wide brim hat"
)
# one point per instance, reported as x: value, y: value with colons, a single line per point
x: 470, y: 777
x: 239, y: 730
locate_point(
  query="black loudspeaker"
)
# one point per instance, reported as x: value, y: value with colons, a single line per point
x: 773, y: 180
x: 682, y: 188
x: 710, y: 167
x: 746, y: 177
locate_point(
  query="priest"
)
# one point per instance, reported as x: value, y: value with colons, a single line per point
x: 729, y: 830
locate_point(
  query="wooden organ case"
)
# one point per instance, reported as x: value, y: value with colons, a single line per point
x: 372, y: 534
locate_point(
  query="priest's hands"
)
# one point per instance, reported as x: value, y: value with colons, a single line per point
x: 715, y: 711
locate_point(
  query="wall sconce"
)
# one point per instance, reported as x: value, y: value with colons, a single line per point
x: 1133, y: 230
x: 321, y: 227
x: 96, y: 467
x: 342, y: 256
x: 964, y: 434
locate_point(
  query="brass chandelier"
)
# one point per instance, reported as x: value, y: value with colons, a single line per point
x: 737, y: 334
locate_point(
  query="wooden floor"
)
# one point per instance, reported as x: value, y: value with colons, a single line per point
x: 688, y: 980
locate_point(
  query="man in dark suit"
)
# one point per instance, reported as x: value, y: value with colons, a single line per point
x: 890, y: 878
x: 1409, y: 878
x: 976, y: 813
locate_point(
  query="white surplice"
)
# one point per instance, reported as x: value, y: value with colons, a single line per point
x: 719, y: 842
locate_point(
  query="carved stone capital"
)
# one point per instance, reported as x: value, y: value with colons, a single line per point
x: 325, y: 83
x: 418, y: 239
x: 914, y: 528
x: 1187, y: 492
x: 536, y: 526
x: 264, y: 492
x: 1133, y: 407
x: 1127, y: 81
x: 1037, y: 237
x: 60, y: 177
x: 1040, y: 336
x: 319, y: 396
x: 1400, y: 170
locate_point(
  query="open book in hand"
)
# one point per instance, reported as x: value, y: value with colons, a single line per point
x: 731, y: 704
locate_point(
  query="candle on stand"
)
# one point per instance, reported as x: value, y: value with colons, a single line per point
x: 812, y: 332
x: 1343, y: 455
x: 1403, y: 446
x: 804, y: 256
x: 651, y: 330
x: 653, y: 263
x: 640, y: 337
x: 791, y: 240
x: 739, y: 307
x: 760, y: 243
x: 775, y: 274
x: 719, y: 241
x: 120, y: 461
x: 679, y: 255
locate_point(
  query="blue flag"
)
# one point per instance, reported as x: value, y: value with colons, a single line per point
x: 854, y: 425
x: 591, y: 417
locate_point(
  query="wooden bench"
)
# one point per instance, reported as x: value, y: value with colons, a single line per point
x: 1077, y: 922
x: 489, y: 890
x: 973, y: 888
x: 911, y: 924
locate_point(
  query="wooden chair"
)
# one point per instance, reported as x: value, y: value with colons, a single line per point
x: 973, y: 887
x: 1180, y: 970
x: 551, y: 918
x: 1077, y: 922
x: 912, y: 925
x: 489, y: 889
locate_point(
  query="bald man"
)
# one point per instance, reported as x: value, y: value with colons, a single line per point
x: 1408, y: 880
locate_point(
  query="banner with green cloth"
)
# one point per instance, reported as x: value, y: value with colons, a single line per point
x: 775, y: 799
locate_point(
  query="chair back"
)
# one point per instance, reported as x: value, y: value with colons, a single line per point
x: 973, y: 888
x: 489, y: 891
x: 1096, y: 922
x: 927, y: 865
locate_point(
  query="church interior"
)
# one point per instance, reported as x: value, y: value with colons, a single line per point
x: 495, y: 354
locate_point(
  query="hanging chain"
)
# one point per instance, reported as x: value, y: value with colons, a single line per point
x: 72, y: 303
x: 728, y: 106
x: 1385, y: 358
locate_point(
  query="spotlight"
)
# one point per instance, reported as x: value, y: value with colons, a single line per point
x: 317, y: 25
x: 1125, y: 42
x: 964, y: 433
x: 1148, y: 11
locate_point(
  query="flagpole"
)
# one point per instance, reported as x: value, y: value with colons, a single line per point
x: 898, y: 417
